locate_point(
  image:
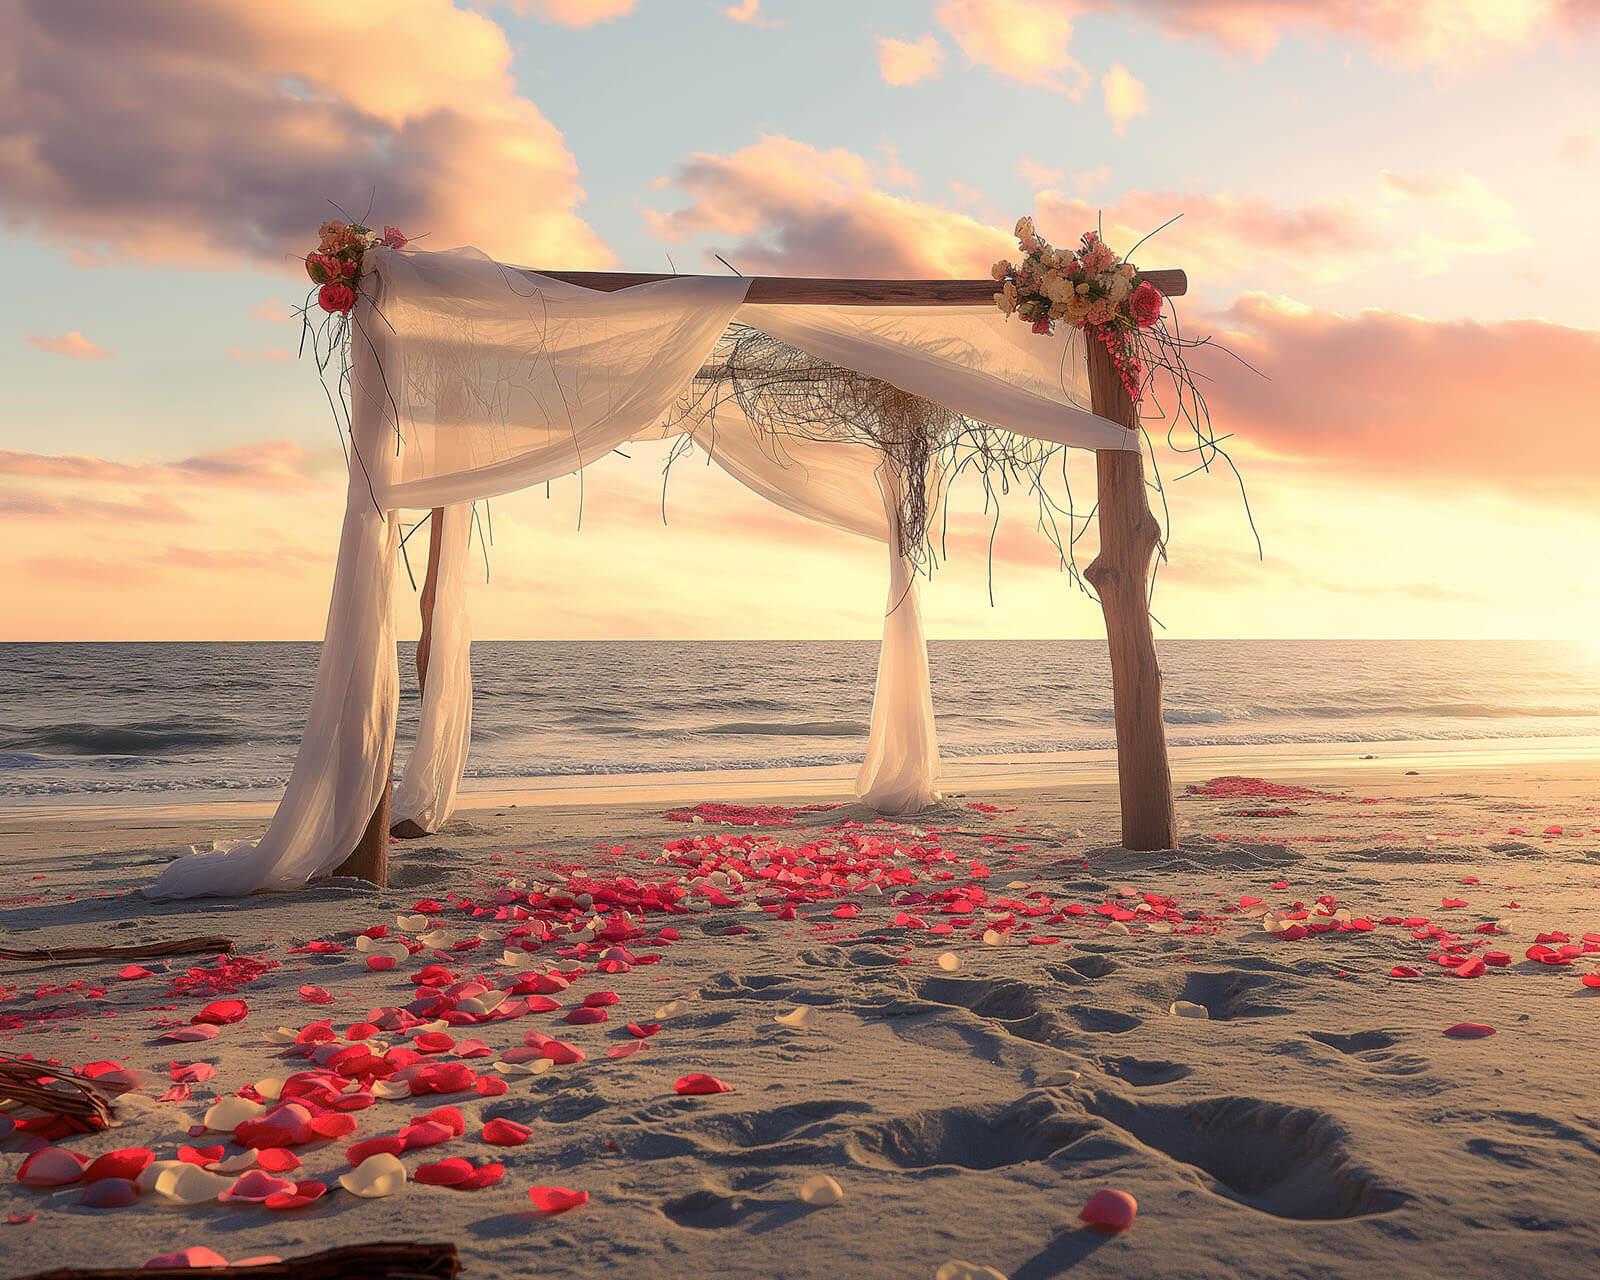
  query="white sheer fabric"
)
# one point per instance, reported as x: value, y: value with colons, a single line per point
x: 343, y: 763
x: 901, y: 771
x: 426, y: 793
x: 471, y: 379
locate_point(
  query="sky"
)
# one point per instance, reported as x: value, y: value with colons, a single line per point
x: 1388, y: 210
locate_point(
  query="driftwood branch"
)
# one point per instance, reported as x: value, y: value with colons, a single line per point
x: 138, y: 951
x: 380, y: 1261
x: 28, y: 1083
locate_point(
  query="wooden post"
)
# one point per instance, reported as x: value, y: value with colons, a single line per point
x: 369, y: 860
x: 406, y: 829
x: 1120, y: 575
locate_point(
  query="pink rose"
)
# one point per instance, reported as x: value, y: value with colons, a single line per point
x: 336, y: 298
x: 1145, y: 303
x: 394, y: 238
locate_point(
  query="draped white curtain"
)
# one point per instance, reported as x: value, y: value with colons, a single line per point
x: 471, y: 379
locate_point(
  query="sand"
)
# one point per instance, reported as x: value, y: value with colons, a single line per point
x: 1318, y: 1122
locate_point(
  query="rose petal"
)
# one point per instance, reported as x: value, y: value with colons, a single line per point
x: 1469, y: 1031
x: 256, y: 1186
x: 219, y: 1012
x: 1110, y: 1210
x: 109, y: 1193
x: 379, y: 1175
x: 188, y: 1035
x: 51, y: 1167
x: 556, y: 1199
x: 126, y: 1164
x: 444, y: 1173
x: 505, y: 1133
x: 194, y: 1256
x: 698, y: 1083
x: 304, y: 1194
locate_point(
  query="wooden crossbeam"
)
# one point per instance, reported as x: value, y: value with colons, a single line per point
x: 802, y: 290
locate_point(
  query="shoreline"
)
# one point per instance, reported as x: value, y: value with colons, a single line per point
x: 1011, y: 774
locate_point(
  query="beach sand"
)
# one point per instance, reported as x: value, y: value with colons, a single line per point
x: 1318, y: 1122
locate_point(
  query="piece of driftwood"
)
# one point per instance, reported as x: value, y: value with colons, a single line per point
x: 1120, y: 575
x: 27, y: 1084
x: 136, y: 951
x: 379, y: 1261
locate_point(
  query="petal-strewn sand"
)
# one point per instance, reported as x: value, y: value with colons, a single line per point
x: 1317, y: 1122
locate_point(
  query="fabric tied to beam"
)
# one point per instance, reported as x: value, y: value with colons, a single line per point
x: 470, y: 379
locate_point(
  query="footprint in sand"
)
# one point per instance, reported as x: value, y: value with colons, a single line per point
x: 1291, y: 1162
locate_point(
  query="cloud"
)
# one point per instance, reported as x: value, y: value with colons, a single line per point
x: 147, y: 509
x: 1020, y: 39
x: 749, y: 13
x: 200, y: 131
x: 1039, y: 176
x: 272, y: 311
x: 785, y: 206
x: 86, y: 570
x: 902, y: 62
x: 1029, y: 40
x: 1451, y: 33
x: 1425, y: 222
x: 73, y: 345
x: 271, y: 354
x: 271, y: 464
x: 1412, y: 403
x: 1124, y: 97
x: 567, y: 13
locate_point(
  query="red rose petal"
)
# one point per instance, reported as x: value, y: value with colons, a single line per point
x: 303, y: 1194
x: 556, y: 1199
x: 220, y: 1012
x: 109, y: 1193
x: 444, y: 1173
x: 643, y: 1030
x: 627, y: 1048
x: 356, y: 1152
x: 129, y: 972
x: 315, y: 995
x: 1404, y: 971
x: 698, y: 1083
x: 1110, y: 1210
x: 276, y: 1159
x: 505, y: 1133
x: 1469, y: 1031
x: 127, y: 1164
x: 485, y: 1175
x: 585, y: 1016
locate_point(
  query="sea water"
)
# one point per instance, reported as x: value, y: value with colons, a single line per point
x: 125, y: 719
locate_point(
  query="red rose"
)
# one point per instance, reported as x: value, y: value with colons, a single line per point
x: 394, y: 238
x: 337, y: 298
x: 1146, y: 303
x: 1042, y: 326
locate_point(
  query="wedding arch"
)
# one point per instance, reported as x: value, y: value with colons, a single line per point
x: 847, y: 401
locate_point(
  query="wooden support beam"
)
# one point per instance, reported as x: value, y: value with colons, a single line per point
x: 369, y: 860
x: 1120, y: 575
x: 800, y: 290
x: 406, y: 829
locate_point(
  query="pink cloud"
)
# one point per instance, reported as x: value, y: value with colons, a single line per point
x: 148, y: 509
x: 1124, y: 97
x: 271, y: 464
x: 1439, y: 32
x: 73, y: 345
x: 1024, y: 40
x: 1029, y: 40
x: 902, y: 62
x: 1415, y: 403
x: 569, y: 13
x: 270, y: 354
x: 203, y: 130
x: 87, y: 570
x: 749, y: 13
x: 785, y: 206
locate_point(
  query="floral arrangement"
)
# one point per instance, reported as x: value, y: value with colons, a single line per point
x: 1088, y: 288
x: 336, y: 263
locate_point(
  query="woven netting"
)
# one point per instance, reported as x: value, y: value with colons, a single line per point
x: 788, y: 394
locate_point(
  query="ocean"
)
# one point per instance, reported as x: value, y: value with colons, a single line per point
x: 223, y: 719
